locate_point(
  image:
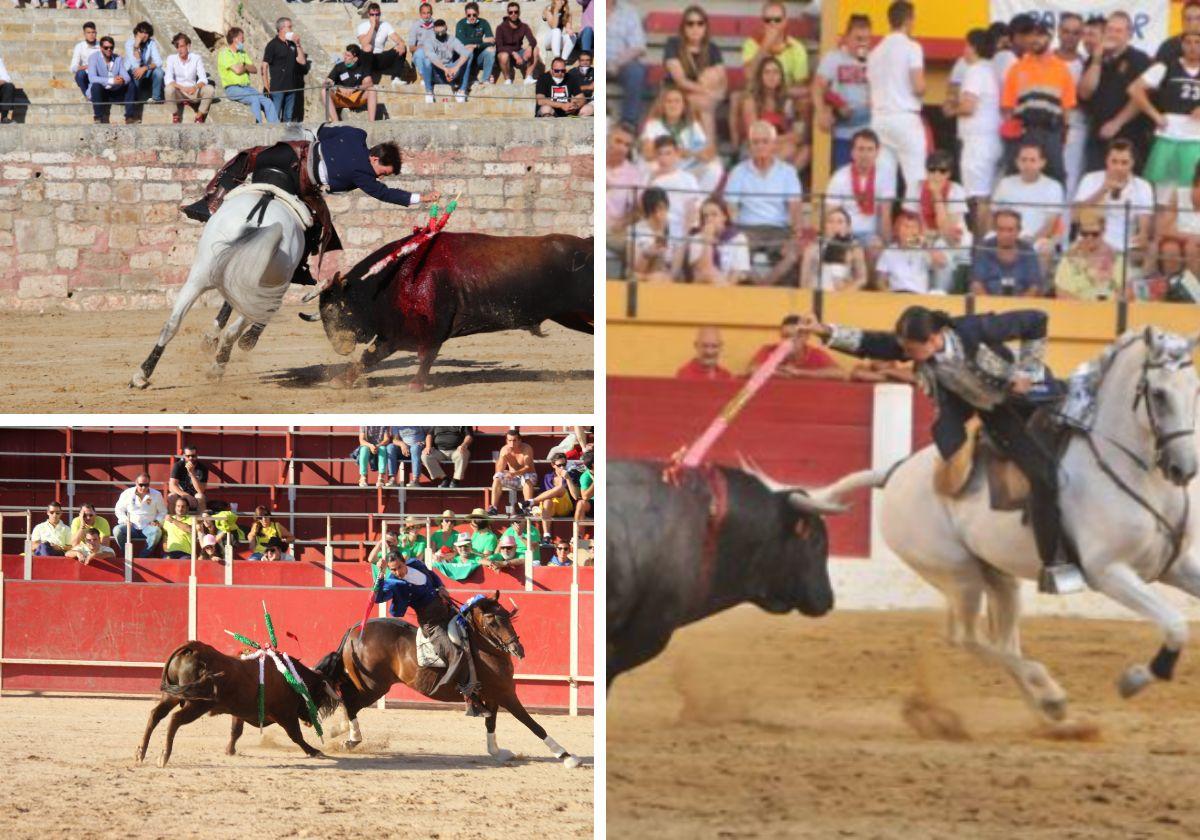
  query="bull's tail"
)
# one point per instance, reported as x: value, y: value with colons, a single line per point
x: 833, y: 493
x: 202, y: 689
x: 247, y: 256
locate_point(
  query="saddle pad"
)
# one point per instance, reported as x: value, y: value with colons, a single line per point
x: 293, y: 203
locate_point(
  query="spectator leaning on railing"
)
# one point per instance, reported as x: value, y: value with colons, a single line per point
x: 1005, y: 264
x: 837, y: 261
x: 906, y: 265
x: 1091, y: 269
x: 706, y: 364
x: 717, y: 253
x: 652, y: 253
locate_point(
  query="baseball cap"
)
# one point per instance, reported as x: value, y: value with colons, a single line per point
x: 463, y: 539
x: 508, y: 541
x: 207, y: 540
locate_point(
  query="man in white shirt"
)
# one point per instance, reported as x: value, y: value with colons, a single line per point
x: 140, y: 512
x: 1037, y: 198
x: 865, y: 188
x: 6, y: 95
x: 1113, y: 188
x: 683, y: 192
x: 896, y: 76
x: 51, y: 538
x: 907, y: 266
x: 374, y: 34
x: 1070, y: 33
x: 83, y: 52
x: 187, y: 83
x: 764, y: 193
x: 978, y: 110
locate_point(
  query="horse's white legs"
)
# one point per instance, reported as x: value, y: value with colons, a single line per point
x: 212, y: 336
x: 1121, y: 583
x: 225, y: 347
x: 192, y: 290
x: 1004, y: 611
x: 355, y: 737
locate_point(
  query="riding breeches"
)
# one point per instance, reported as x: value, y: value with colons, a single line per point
x: 460, y: 669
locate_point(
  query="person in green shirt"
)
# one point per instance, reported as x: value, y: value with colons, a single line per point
x: 476, y: 35
x: 412, y: 541
x: 483, y: 539
x: 506, y: 554
x: 587, y: 490
x: 177, y: 531
x: 88, y: 518
x: 441, y: 541
x: 518, y: 530
x: 234, y: 67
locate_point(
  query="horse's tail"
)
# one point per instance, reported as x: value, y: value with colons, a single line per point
x: 833, y: 493
x: 331, y: 666
x: 249, y: 253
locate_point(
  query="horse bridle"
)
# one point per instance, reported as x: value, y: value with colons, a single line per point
x: 506, y: 645
x: 1142, y: 392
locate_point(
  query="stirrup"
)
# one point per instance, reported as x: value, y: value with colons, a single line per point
x: 1061, y: 579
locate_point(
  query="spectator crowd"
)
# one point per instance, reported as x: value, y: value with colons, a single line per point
x: 1063, y: 161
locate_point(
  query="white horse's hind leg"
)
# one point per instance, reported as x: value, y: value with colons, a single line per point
x: 192, y: 290
x: 212, y: 336
x: 1004, y: 610
x: 1121, y: 583
x: 228, y: 337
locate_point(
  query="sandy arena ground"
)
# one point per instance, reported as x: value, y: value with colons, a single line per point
x: 80, y: 361
x: 761, y: 726
x: 70, y: 773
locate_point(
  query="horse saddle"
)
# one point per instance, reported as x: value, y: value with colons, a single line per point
x: 427, y: 652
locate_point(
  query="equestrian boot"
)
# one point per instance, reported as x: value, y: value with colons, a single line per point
x: 303, y: 276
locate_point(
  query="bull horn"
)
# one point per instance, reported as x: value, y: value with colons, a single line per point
x: 813, y: 505
x: 336, y: 280
x: 310, y: 317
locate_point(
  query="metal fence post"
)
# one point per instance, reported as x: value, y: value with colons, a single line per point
x: 328, y: 551
x: 28, y: 545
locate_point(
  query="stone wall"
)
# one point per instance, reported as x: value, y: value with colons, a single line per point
x: 89, y: 216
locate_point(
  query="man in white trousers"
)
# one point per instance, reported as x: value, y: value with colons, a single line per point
x: 896, y: 78
x: 1070, y: 32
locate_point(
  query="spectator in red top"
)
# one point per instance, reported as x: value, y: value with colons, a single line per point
x: 707, y: 363
x: 807, y: 361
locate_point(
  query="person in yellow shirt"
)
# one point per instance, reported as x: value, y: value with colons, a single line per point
x: 234, y: 67
x: 1091, y: 269
x: 776, y: 42
x: 177, y: 529
x: 265, y: 529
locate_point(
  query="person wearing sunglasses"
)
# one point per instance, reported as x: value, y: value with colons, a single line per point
x: 378, y: 58
x: 140, y: 512
x: 51, y: 538
x: 694, y: 64
x: 942, y: 205
x: 109, y: 81
x: 516, y: 47
x: 773, y: 41
x: 88, y: 518
x: 476, y: 35
x: 1091, y: 269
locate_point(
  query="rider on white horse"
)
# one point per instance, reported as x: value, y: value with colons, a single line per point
x: 964, y: 365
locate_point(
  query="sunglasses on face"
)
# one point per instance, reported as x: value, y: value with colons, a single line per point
x: 471, y: 16
x: 1089, y: 234
x: 105, y: 49
x: 143, y: 485
x: 373, y: 14
x: 772, y: 20
x: 942, y: 169
x: 694, y: 22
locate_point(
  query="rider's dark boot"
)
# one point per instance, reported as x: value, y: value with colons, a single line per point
x: 303, y: 277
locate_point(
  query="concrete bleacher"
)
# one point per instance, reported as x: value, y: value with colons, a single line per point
x: 304, y: 475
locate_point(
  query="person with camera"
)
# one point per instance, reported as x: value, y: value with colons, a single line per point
x: 1114, y: 187
x: 1004, y: 263
x: 717, y: 252
x: 654, y: 254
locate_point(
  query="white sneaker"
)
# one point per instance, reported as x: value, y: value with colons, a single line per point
x: 429, y: 98
x: 508, y: 81
x: 529, y: 80
x: 460, y: 97
x: 398, y: 82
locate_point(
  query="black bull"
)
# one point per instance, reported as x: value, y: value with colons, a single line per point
x: 455, y: 285
x: 679, y: 553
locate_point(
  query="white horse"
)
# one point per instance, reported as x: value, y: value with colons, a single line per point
x: 249, y: 251
x: 1125, y: 504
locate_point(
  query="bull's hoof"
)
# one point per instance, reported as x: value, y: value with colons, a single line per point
x: 571, y: 762
x: 349, y: 379
x: 418, y: 386
x: 140, y: 382
x: 502, y: 756
x: 1133, y: 680
x: 215, y: 372
x: 162, y: 759
x: 317, y: 754
x: 231, y: 751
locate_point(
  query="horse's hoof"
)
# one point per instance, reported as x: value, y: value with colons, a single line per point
x: 317, y: 754
x: 140, y: 382
x: 1054, y: 709
x: 214, y: 373
x: 502, y: 756
x: 138, y: 755
x: 349, y: 745
x: 250, y: 338
x: 162, y: 759
x: 230, y: 751
x: 419, y: 386
x: 210, y: 341
x: 1134, y: 679
x: 571, y: 762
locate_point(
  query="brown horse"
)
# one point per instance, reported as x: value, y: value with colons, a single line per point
x: 363, y: 671
x: 199, y: 679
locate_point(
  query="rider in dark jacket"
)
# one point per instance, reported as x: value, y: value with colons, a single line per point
x: 964, y: 364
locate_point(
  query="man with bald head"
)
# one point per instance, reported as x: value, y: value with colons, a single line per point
x: 706, y: 364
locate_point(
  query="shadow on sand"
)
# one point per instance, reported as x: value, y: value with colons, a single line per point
x: 467, y: 373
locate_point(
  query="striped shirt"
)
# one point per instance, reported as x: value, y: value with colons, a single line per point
x: 1039, y: 90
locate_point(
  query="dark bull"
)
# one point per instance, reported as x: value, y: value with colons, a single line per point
x: 719, y: 537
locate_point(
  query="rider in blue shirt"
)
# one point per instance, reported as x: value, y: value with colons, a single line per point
x: 412, y: 584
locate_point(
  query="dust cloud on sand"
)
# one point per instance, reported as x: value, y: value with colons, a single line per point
x: 867, y: 725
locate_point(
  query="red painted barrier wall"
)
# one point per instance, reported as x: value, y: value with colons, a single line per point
x: 806, y: 432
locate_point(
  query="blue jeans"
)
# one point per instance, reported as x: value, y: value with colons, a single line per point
x: 633, y: 81
x: 365, y: 457
x: 420, y: 62
x: 285, y: 105
x: 102, y: 99
x: 128, y: 533
x: 261, y: 105
x: 587, y: 40
x: 483, y: 59
x: 432, y: 75
x: 156, y: 84
x: 81, y: 79
x: 44, y: 549
x: 414, y: 458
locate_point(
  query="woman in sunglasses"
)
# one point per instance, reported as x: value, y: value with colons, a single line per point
x: 942, y: 205
x: 693, y: 63
x: 1091, y: 269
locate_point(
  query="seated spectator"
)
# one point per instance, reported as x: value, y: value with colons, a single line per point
x: 265, y: 530
x: 187, y: 83
x: 412, y: 541
x: 717, y: 252
x: 1173, y: 279
x: 350, y: 86
x: 625, y: 44
x: 88, y: 518
x: 476, y: 35
x: 421, y: 29
x: 140, y: 511
x: 585, y: 487
x: 558, y: 94
x: 773, y: 41
x: 771, y: 100
x: 505, y: 556
x: 51, y: 538
x: 447, y: 61
x: 145, y: 63
x: 177, y: 528
x: 522, y: 531
x: 557, y: 16
x: 452, y: 443
x: 557, y: 500
x: 210, y: 548
x: 764, y: 193
x: 1091, y: 269
x: 82, y: 54
x: 206, y: 526
x: 706, y: 364
x: 942, y: 207
x: 1005, y: 264
x: 1180, y: 218
x: 875, y: 370
x: 673, y: 116
x: 865, y: 189
x: 1036, y: 197
x: 624, y: 179
x: 384, y: 550
x: 235, y: 67
x: 562, y: 554
x: 189, y: 480
x: 407, y: 442
x: 652, y: 252
x: 514, y: 469
x: 693, y: 64
x: 587, y: 27
x: 516, y: 47
x: 907, y: 265
x: 1113, y: 188
x: 464, y: 553
x: 373, y: 448
x: 578, y: 441
x: 91, y: 548
x: 837, y: 262
x: 585, y: 80
x: 272, y: 552
x: 482, y: 539
x: 841, y: 97
x: 108, y: 82
x: 441, y: 541
x: 680, y: 186
x: 806, y: 361
x: 383, y: 49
